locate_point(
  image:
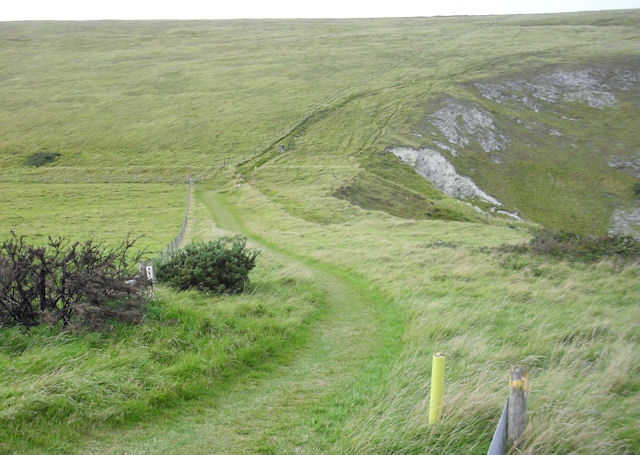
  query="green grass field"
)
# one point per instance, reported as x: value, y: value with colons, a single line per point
x: 366, y: 268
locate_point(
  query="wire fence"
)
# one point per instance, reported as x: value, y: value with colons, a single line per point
x: 173, y: 246
x: 94, y: 178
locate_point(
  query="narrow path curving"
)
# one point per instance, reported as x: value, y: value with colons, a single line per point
x: 299, y: 405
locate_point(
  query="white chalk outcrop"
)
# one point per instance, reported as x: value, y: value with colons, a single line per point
x: 461, y: 124
x: 438, y: 170
x: 626, y: 222
x: 595, y: 86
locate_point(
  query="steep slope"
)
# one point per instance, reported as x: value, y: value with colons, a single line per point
x: 558, y: 145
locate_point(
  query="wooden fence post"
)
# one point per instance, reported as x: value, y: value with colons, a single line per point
x: 517, y: 412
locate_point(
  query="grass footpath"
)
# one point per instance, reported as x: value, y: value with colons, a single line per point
x: 574, y: 324
x: 299, y: 404
x: 57, y: 388
x: 356, y: 380
x: 367, y: 270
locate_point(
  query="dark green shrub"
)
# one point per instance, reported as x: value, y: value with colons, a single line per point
x: 636, y: 189
x: 41, y: 158
x: 222, y: 266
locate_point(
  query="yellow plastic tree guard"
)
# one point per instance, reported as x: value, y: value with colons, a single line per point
x: 437, y: 388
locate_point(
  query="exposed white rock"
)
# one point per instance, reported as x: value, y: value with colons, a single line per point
x: 479, y: 210
x: 513, y: 215
x: 592, y: 86
x: 594, y: 98
x: 626, y: 222
x: 436, y: 168
x: 462, y: 123
x: 632, y: 166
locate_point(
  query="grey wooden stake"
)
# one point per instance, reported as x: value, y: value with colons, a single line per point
x: 517, y: 412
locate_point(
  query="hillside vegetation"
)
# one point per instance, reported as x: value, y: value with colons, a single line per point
x: 368, y: 268
x: 540, y: 114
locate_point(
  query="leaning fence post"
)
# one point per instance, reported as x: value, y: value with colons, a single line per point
x: 517, y: 412
x: 437, y: 388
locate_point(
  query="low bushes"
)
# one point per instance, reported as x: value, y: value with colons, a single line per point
x: 84, y: 285
x: 222, y: 266
x: 578, y: 247
x: 41, y: 158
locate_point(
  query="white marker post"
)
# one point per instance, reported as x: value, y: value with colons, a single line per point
x: 151, y: 277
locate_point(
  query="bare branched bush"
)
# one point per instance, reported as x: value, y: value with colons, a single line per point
x: 80, y: 285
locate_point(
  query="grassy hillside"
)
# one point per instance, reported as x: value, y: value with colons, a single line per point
x: 161, y: 99
x: 573, y: 324
x: 367, y: 268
